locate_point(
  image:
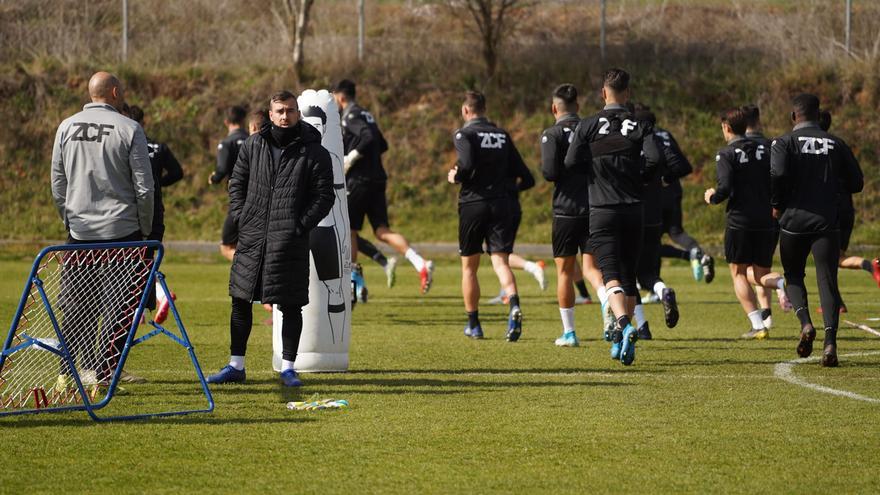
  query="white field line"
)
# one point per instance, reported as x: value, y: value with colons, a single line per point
x: 785, y: 371
x: 863, y: 327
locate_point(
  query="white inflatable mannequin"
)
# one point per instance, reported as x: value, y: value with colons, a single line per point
x: 326, y: 330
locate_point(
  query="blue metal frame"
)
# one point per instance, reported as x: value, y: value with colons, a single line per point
x: 87, y: 405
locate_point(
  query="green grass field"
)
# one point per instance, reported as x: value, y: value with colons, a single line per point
x: 432, y: 411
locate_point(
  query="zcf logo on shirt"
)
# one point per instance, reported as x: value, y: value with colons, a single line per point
x: 625, y: 127
x: 816, y: 146
x: 492, y: 140
x: 154, y: 148
x: 81, y: 132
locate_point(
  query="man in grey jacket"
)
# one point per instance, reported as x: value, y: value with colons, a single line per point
x: 102, y: 184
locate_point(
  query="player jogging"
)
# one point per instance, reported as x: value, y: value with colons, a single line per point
x: 610, y: 144
x: 487, y: 159
x: 227, y: 152
x: 571, y: 209
x: 366, y: 180
x: 743, y: 180
x: 808, y: 169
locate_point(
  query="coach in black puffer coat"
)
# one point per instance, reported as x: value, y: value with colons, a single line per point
x: 275, y: 206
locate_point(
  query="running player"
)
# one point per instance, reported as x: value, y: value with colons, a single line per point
x: 571, y: 209
x: 609, y: 144
x: 227, y: 153
x: 743, y: 179
x: 366, y: 181
x: 518, y: 262
x: 808, y: 168
x: 487, y: 158
x: 648, y: 271
x: 847, y: 222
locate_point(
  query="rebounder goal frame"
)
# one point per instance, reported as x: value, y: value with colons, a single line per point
x: 79, y: 399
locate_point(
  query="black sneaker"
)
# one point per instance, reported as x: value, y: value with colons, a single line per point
x: 829, y: 356
x: 670, y: 307
x: 645, y: 332
x: 805, y: 346
x: 708, y: 263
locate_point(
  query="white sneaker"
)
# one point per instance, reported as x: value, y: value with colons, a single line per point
x: 568, y: 339
x: 579, y: 299
x: 390, y: 271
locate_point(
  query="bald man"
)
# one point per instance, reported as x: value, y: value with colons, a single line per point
x: 102, y: 184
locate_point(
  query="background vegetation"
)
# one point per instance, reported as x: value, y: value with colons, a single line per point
x: 189, y: 60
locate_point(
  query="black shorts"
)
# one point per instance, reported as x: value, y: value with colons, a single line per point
x: 570, y: 235
x: 672, y: 218
x: 847, y: 222
x: 367, y: 199
x: 229, y: 237
x: 749, y: 247
x: 616, y: 241
x: 485, y: 221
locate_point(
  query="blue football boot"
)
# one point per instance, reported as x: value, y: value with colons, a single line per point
x: 514, y: 324
x: 290, y: 379
x: 474, y: 333
x: 616, y: 336
x: 628, y: 349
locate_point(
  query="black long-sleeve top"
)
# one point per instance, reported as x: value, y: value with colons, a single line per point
x: 743, y: 179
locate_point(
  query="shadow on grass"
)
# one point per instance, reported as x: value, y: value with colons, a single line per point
x: 67, y: 420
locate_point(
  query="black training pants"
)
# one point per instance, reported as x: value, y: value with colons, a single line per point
x: 825, y: 246
x: 242, y: 319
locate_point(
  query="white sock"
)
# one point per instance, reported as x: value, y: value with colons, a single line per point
x: 532, y: 267
x: 413, y: 257
x: 755, y: 318
x: 286, y: 365
x: 658, y: 289
x: 567, y: 315
x: 640, y: 315
x: 768, y: 322
x: 237, y: 362
x: 603, y: 295
x: 160, y: 294
x: 780, y: 284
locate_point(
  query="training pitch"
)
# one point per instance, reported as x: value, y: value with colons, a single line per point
x: 432, y: 411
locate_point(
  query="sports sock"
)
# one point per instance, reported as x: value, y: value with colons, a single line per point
x: 640, y: 315
x: 581, y: 287
x: 532, y: 267
x: 381, y: 259
x: 830, y: 336
x: 567, y: 315
x: 756, y: 320
x: 413, y: 257
x: 780, y: 284
x: 866, y: 265
x: 658, y: 288
x: 767, y: 317
x: 286, y: 365
x: 514, y: 301
x: 473, y: 319
x: 623, y: 322
x: 237, y: 362
x: 603, y: 295
x: 160, y: 294
x: 803, y: 315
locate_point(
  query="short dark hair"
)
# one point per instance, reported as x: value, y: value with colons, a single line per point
x: 806, y: 106
x: 236, y: 115
x: 825, y: 120
x: 476, y: 101
x: 567, y: 94
x: 136, y: 114
x: 259, y: 116
x: 643, y: 112
x: 616, y: 79
x: 280, y: 96
x: 736, y: 118
x: 126, y: 110
x: 346, y: 87
x: 753, y: 115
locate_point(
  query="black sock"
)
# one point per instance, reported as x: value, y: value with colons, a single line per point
x: 830, y: 336
x: 514, y: 301
x: 866, y: 265
x: 803, y: 315
x: 622, y: 322
x: 381, y: 259
x: 582, y: 289
x: 766, y: 313
x: 473, y: 319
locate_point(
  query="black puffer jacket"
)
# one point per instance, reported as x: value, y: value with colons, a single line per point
x: 275, y: 208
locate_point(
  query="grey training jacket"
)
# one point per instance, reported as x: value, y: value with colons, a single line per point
x: 102, y: 182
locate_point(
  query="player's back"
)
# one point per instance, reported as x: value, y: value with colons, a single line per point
x: 810, y: 167
x: 570, y: 188
x: 484, y: 161
x: 748, y: 164
x: 361, y: 132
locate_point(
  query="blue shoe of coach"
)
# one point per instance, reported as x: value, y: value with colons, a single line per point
x: 628, y: 348
x: 227, y: 374
x: 290, y: 379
